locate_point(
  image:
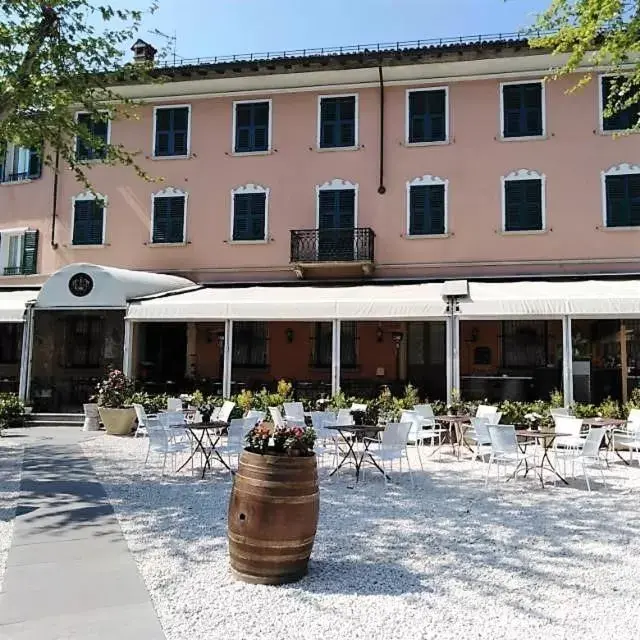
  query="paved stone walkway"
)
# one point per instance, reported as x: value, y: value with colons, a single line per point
x: 69, y: 573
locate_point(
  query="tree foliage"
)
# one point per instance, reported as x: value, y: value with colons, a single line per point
x: 59, y: 57
x: 596, y: 33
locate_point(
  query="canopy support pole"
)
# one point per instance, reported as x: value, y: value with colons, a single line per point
x: 26, y: 354
x: 335, y: 358
x: 453, y: 350
x: 624, y: 370
x: 227, y: 358
x: 567, y: 362
x: 127, y: 356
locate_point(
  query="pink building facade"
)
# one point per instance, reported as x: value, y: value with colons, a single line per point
x: 430, y: 165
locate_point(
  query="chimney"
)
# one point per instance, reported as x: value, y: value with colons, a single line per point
x: 143, y: 52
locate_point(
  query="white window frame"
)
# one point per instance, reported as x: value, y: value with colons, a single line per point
x: 337, y: 184
x: 543, y: 99
x: 245, y: 189
x: 426, y: 181
x: 10, y: 153
x: 153, y: 139
x: 601, y: 129
x: 88, y: 195
x: 623, y: 169
x: 524, y: 174
x: 233, y: 129
x: 75, y: 138
x: 447, y: 117
x: 169, y: 192
x: 18, y: 232
x: 356, y: 137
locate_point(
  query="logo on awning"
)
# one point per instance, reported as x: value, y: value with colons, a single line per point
x: 80, y: 285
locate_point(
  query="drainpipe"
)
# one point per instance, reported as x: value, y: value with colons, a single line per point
x: 54, y: 204
x: 381, y: 188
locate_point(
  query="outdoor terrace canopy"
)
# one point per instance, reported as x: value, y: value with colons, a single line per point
x: 13, y: 304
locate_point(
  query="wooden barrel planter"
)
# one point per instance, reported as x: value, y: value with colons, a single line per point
x: 273, y: 516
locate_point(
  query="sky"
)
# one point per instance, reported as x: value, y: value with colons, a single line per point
x: 206, y: 28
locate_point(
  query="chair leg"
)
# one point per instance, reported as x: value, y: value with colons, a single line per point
x: 148, y: 450
x: 486, y: 479
x: 164, y: 462
x: 418, y: 447
x: 586, y: 475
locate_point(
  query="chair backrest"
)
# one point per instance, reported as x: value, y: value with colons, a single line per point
x: 236, y: 432
x: 568, y: 425
x: 174, y: 404
x: 413, y: 418
x: 140, y: 414
x: 344, y: 417
x: 171, y: 418
x: 634, y: 420
x: 225, y: 411
x: 91, y: 410
x: 319, y: 421
x: 591, y: 446
x: 293, y: 410
x: 559, y: 411
x: 358, y: 407
x: 424, y: 410
x: 395, y: 435
x: 481, y: 428
x: 493, y: 418
x: 255, y: 416
x: 484, y: 411
x: 276, y: 416
x: 158, y: 437
x: 503, y: 438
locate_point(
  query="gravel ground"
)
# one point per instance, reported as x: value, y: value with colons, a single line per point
x: 11, y: 452
x: 447, y: 559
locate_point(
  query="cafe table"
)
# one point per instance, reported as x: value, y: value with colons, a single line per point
x: 353, y: 434
x: 458, y: 425
x: 206, y: 438
x: 546, y: 439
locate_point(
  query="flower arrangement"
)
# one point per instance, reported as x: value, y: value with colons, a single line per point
x: 533, y: 420
x: 292, y: 441
x: 115, y: 391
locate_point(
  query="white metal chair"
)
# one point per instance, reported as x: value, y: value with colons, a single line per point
x: 494, y: 418
x: 326, y: 439
x: 559, y: 412
x: 415, y: 432
x: 344, y: 417
x: 294, y: 413
x: 255, y: 416
x: 276, y: 416
x: 392, y: 446
x: 174, y: 404
x: 236, y: 432
x: 485, y: 411
x: 225, y: 411
x: 505, y: 449
x: 566, y: 447
x: 355, y: 406
x: 629, y: 437
x: 91, y: 417
x: 141, y: 415
x: 479, y: 435
x: 590, y: 454
x: 160, y: 442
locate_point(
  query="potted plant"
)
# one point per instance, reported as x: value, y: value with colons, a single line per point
x: 274, y: 506
x: 358, y: 416
x: 113, y: 395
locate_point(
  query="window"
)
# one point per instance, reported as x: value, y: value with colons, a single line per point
x: 623, y: 119
x: 523, y: 201
x: 10, y: 342
x: 84, y: 340
x: 323, y: 345
x: 427, y: 210
x: 622, y: 196
x: 88, y: 220
x: 337, y: 122
x: 522, y: 110
x: 250, y: 345
x: 249, y: 214
x: 169, y: 217
x: 524, y: 344
x: 97, y: 133
x: 20, y: 163
x: 171, y: 126
x: 427, y: 116
x: 252, y: 131
x: 18, y: 251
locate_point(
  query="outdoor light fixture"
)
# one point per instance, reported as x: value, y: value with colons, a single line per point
x: 289, y: 333
x: 379, y: 334
x: 221, y: 340
x: 397, y: 338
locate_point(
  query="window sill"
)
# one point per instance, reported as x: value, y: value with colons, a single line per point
x: 426, y: 236
x: 231, y: 241
x: 92, y: 161
x: 525, y: 232
x: 616, y: 132
x: 187, y: 157
x: 156, y: 245
x: 242, y: 154
x: 12, y: 183
x: 618, y: 228
x: 434, y: 143
x: 544, y: 136
x: 102, y: 245
x: 330, y: 149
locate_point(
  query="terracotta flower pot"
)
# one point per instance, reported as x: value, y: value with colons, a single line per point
x: 117, y: 422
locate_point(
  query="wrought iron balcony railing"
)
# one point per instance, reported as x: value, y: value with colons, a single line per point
x: 310, y: 246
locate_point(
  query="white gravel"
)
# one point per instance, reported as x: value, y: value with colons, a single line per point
x: 447, y: 559
x: 11, y: 453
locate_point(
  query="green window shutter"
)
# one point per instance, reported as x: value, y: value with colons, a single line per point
x: 168, y: 219
x: 35, y: 163
x: 30, y: 252
x: 623, y: 200
x: 427, y: 210
x: 249, y: 212
x: 83, y: 149
x: 523, y: 205
x: 623, y: 119
x: 346, y: 208
x: 88, y: 223
x: 522, y: 110
x: 634, y: 199
x: 427, y: 116
x: 172, y: 132
x: 338, y: 122
x: 241, y: 214
x: 348, y: 341
x: 327, y: 209
x: 436, y: 209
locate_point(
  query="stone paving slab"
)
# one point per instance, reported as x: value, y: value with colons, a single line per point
x: 69, y: 572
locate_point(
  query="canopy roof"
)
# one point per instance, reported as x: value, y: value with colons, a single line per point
x: 13, y: 303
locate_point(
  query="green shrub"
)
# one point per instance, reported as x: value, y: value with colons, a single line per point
x: 11, y: 410
x: 114, y: 391
x: 151, y: 404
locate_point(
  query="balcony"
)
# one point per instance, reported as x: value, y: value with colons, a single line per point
x: 332, y: 248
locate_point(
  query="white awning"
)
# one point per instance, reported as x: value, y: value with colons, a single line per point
x: 366, y: 302
x: 13, y: 303
x: 586, y: 298
x: 91, y: 286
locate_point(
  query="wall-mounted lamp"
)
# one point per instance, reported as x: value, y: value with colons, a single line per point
x: 397, y: 338
x: 289, y: 334
x: 379, y: 334
x: 221, y: 340
x: 475, y: 333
